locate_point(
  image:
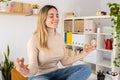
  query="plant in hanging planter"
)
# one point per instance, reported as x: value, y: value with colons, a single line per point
x: 35, y: 8
x: 115, y: 18
x: 4, y: 5
x: 4, y: 0
x: 7, y: 65
x: 100, y: 75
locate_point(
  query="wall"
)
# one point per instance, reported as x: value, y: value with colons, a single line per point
x: 15, y: 30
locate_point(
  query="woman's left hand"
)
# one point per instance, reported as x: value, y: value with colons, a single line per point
x: 88, y: 48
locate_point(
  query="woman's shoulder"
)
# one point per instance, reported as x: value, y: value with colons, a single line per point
x: 33, y: 39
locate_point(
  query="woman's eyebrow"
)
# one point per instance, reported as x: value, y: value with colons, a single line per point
x: 52, y: 14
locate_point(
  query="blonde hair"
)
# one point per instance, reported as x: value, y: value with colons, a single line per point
x: 41, y: 31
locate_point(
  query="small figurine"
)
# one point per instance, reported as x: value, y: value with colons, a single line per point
x: 93, y: 43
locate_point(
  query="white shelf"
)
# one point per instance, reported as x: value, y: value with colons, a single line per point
x: 91, y: 33
x: 105, y: 63
x: 102, y: 58
x: 105, y: 50
x: 89, y: 17
x: 104, y: 34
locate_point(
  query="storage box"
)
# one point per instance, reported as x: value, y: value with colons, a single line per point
x: 69, y: 38
x: 68, y: 26
x: 79, y: 26
x: 90, y: 26
x: 78, y: 40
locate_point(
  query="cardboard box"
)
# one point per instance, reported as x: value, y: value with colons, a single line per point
x: 68, y: 26
x: 79, y: 26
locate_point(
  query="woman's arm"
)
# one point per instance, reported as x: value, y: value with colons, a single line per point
x: 33, y: 59
x: 71, y: 59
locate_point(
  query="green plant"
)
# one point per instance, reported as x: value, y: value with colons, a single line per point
x: 114, y: 8
x: 7, y: 65
x: 100, y: 75
x: 4, y: 0
x: 115, y: 18
x: 35, y: 6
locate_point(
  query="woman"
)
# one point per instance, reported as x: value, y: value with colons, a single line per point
x: 46, y: 49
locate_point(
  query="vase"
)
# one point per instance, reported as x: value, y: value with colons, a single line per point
x: 35, y: 11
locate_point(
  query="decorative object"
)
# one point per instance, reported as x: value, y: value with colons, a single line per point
x: 70, y: 14
x: 100, y: 75
x: 94, y: 43
x: 35, y: 8
x: 115, y: 18
x: 4, y: 5
x: 108, y: 44
x: 7, y: 65
x: 100, y: 13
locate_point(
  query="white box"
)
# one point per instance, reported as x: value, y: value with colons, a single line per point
x: 90, y: 26
x: 78, y: 40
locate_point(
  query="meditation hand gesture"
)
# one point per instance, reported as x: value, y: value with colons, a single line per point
x: 20, y: 67
x: 87, y: 49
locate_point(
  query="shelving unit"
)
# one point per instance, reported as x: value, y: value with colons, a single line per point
x: 9, y: 13
x: 101, y: 58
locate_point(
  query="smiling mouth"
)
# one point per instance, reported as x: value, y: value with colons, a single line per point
x: 54, y: 22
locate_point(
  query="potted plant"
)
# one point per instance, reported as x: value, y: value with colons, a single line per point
x: 115, y: 18
x: 7, y: 65
x: 4, y: 5
x: 100, y: 75
x: 35, y: 8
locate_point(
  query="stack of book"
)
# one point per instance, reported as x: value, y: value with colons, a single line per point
x: 19, y: 7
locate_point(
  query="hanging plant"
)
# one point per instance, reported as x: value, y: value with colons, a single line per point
x: 115, y: 18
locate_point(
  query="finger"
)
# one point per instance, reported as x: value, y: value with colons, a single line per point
x: 17, y: 61
x: 21, y: 62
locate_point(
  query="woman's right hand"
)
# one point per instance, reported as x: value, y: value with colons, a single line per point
x: 20, y: 67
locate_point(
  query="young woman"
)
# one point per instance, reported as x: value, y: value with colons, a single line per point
x: 46, y: 48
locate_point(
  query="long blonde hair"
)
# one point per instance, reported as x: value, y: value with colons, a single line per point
x: 41, y: 31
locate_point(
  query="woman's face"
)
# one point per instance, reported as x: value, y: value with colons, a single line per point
x: 52, y: 18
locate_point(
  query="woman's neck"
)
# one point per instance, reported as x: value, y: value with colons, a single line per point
x: 51, y: 31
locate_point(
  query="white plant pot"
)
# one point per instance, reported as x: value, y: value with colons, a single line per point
x: 3, y: 6
x: 1, y: 76
x: 35, y: 11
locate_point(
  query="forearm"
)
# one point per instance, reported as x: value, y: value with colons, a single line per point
x: 71, y: 59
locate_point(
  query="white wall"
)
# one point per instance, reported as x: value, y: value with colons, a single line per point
x: 15, y: 30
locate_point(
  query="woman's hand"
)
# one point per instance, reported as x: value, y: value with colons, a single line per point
x: 20, y: 67
x: 88, y: 48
